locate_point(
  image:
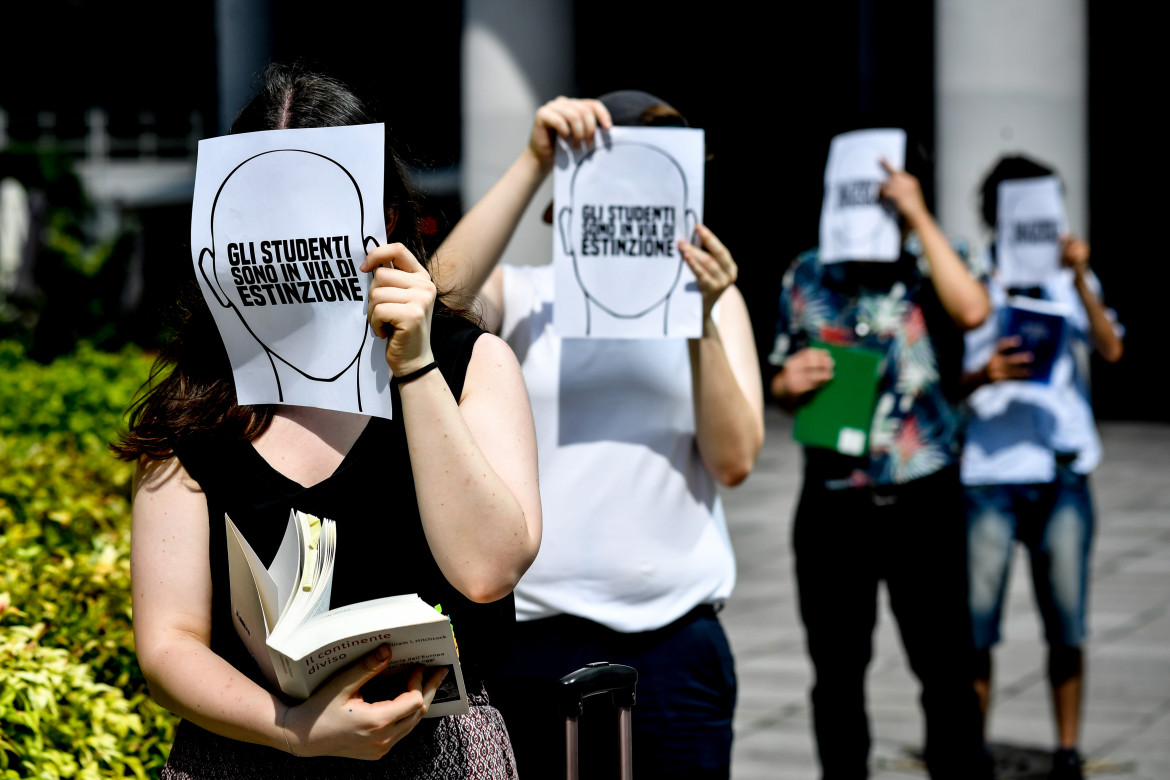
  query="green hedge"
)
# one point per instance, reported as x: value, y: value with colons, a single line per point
x: 73, y: 702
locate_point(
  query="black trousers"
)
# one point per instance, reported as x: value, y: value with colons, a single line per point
x: 685, y: 698
x: 913, y: 536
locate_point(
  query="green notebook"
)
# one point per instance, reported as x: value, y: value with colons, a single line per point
x: 838, y: 415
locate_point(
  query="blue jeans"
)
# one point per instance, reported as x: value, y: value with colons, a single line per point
x: 1055, y: 523
x: 685, y: 698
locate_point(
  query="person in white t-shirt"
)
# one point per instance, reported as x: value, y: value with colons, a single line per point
x: 633, y: 437
x: 1029, y: 449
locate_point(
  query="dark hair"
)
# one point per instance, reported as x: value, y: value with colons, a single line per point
x: 1005, y: 169
x: 633, y: 107
x: 190, y: 390
x: 662, y: 115
x: 291, y: 97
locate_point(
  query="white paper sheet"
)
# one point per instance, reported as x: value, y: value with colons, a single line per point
x: 620, y: 208
x: 1031, y: 218
x: 280, y: 222
x: 285, y: 571
x: 855, y: 223
x: 254, y: 599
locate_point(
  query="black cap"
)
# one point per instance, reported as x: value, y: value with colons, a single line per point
x: 626, y: 106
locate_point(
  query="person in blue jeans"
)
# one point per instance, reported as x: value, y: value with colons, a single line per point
x: 1029, y: 449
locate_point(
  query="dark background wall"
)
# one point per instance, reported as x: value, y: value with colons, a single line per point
x: 1128, y: 172
x: 402, y: 57
x: 66, y: 56
x: 770, y: 93
x: 770, y: 90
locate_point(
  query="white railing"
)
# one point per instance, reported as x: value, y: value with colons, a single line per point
x: 97, y: 148
x: 98, y: 144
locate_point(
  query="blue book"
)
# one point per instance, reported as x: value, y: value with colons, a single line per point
x: 1040, y: 326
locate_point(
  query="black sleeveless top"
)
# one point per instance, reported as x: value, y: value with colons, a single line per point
x: 381, y: 548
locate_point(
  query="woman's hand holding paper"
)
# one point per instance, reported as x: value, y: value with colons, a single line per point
x: 963, y: 298
x: 573, y: 119
x: 714, y: 268
x: 905, y: 192
x: 1074, y: 254
x: 1106, y: 336
x: 402, y: 297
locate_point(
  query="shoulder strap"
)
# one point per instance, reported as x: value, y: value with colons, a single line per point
x: 194, y: 452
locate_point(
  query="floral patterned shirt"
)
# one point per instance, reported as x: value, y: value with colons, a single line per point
x: 891, y: 308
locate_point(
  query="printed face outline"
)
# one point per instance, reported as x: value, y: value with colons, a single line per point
x: 862, y: 229
x: 263, y: 266
x: 595, y: 273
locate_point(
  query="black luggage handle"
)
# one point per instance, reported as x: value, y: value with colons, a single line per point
x: 596, y: 678
x: 621, y: 682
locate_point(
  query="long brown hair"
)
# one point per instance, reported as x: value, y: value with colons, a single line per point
x: 190, y: 389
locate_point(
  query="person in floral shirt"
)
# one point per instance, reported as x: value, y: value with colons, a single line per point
x: 894, y: 513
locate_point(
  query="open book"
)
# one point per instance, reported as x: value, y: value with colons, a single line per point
x: 1040, y: 326
x: 282, y: 614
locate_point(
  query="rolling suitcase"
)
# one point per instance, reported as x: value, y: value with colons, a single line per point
x: 621, y: 683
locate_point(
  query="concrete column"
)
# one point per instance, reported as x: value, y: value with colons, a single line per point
x: 516, y: 55
x: 243, y: 47
x: 1011, y: 78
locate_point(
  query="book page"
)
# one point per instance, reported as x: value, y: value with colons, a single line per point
x: 323, y: 583
x: 360, y: 618
x: 285, y: 570
x: 1055, y: 308
x: 317, y: 588
x: 313, y: 586
x: 253, y: 598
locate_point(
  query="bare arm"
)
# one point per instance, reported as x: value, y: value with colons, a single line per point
x: 473, y: 458
x: 469, y: 253
x: 960, y: 293
x: 477, y: 242
x: 1075, y: 255
x: 725, y: 374
x: 171, y: 580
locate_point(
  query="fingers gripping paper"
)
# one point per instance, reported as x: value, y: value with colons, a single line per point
x: 280, y: 222
x: 621, y: 206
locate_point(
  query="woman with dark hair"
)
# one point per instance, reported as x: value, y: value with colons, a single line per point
x: 634, y: 438
x: 442, y: 500
x: 1028, y: 453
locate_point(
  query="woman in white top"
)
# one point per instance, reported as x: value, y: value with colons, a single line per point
x: 632, y: 436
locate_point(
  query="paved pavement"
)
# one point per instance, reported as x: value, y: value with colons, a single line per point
x: 1126, y: 729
